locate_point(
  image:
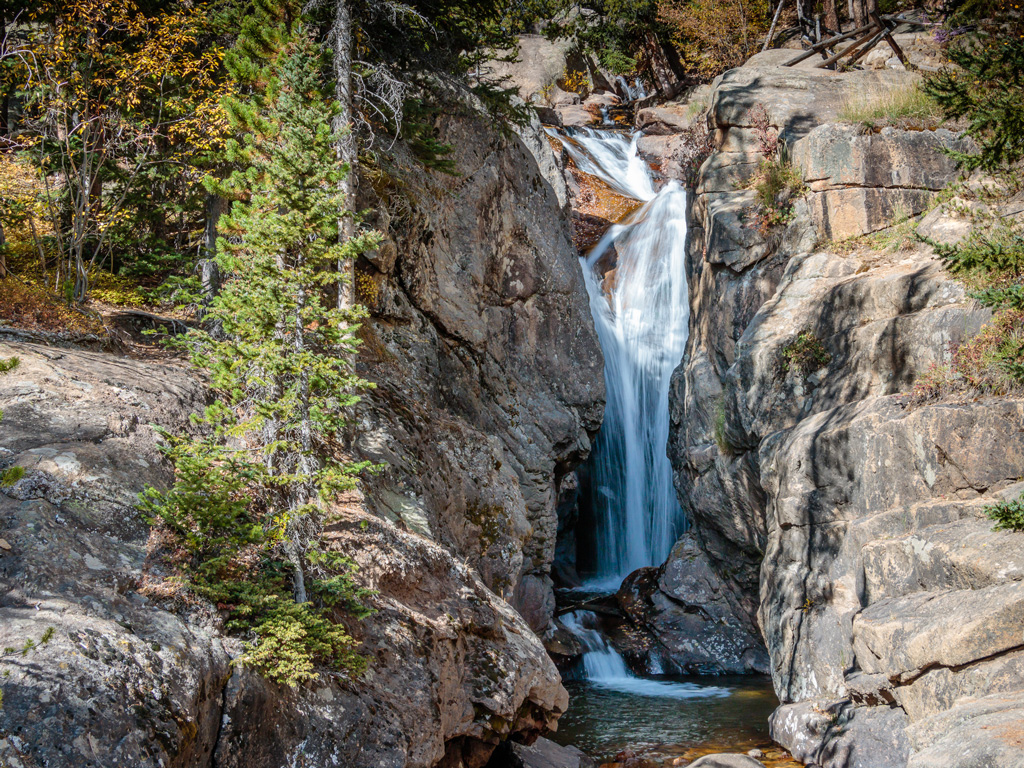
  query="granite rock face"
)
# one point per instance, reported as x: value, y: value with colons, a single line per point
x: 487, y: 364
x: 846, y: 523
x: 109, y: 670
x: 489, y: 387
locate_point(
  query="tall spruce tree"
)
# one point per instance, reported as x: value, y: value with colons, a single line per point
x: 249, y: 499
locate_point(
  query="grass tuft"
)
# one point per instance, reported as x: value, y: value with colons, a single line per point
x: 905, y: 107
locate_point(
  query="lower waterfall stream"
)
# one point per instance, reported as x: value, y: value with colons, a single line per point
x: 636, y: 281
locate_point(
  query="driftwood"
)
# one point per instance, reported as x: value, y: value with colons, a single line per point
x: 820, y: 47
x: 771, y: 30
x: 53, y: 339
x: 871, y: 38
x: 176, y: 325
x: 887, y: 32
x: 594, y: 605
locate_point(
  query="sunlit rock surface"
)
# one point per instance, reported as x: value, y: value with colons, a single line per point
x: 848, y: 523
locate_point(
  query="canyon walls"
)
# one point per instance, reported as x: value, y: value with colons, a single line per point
x: 489, y: 387
x: 844, y: 519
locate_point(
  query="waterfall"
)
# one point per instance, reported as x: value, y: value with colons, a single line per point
x: 601, y: 662
x: 631, y: 92
x: 641, y: 310
x: 605, y: 668
x: 611, y: 157
x: 623, y: 84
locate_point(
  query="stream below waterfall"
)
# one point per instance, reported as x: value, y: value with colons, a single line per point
x: 636, y: 281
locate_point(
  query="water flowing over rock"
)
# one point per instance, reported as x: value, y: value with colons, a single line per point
x: 642, y: 327
x: 846, y: 524
x: 636, y: 282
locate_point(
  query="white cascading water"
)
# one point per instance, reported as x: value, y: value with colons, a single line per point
x: 631, y: 92
x: 641, y: 312
x: 642, y: 326
x: 604, y: 667
x: 611, y: 157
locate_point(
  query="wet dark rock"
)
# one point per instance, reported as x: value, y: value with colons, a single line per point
x: 726, y: 761
x: 686, y: 622
x: 543, y: 753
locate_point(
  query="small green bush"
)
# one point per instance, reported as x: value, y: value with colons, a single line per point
x: 806, y: 354
x: 8, y: 365
x: 1008, y: 515
x: 775, y: 185
x: 985, y: 88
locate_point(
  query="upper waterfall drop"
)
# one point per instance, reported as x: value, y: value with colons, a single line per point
x: 612, y: 158
x: 640, y: 304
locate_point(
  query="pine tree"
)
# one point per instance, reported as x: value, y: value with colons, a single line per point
x: 986, y: 87
x: 249, y: 499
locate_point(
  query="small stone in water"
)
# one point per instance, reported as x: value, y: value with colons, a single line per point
x: 757, y: 754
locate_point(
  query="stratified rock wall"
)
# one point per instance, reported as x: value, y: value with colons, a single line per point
x: 847, y: 523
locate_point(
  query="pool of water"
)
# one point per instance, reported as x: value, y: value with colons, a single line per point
x: 662, y: 719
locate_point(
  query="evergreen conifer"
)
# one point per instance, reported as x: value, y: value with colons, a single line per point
x: 250, y: 497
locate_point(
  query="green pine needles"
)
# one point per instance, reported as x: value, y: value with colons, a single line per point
x: 1008, y: 515
x: 986, y: 89
x: 250, y: 497
x: 993, y: 262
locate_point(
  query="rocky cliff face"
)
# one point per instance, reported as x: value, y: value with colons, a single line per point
x: 489, y: 386
x: 488, y: 367
x: 846, y: 522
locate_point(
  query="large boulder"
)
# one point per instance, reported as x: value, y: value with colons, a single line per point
x: 539, y: 63
x: 726, y: 761
x: 687, y: 611
x: 541, y: 754
x: 113, y: 667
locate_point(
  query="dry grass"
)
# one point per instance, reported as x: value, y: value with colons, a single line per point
x: 32, y: 307
x: 905, y: 107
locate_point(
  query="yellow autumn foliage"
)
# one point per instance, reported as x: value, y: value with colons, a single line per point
x: 715, y: 35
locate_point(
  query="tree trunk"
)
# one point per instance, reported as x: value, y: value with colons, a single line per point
x: 661, y: 71
x: 861, y: 11
x: 345, y: 141
x: 209, y: 272
x: 831, y: 17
